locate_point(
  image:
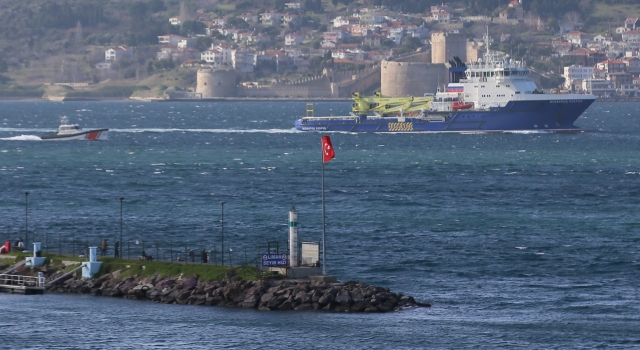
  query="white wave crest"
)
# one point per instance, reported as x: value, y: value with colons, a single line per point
x: 22, y: 138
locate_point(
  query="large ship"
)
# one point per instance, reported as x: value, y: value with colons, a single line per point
x: 493, y: 94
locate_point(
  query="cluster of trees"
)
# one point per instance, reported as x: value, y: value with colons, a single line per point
x: 318, y: 63
x: 144, y: 28
x: 65, y: 15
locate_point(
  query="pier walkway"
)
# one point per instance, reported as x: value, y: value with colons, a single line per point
x: 21, y: 284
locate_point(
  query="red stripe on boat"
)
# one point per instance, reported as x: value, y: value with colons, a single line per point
x: 93, y: 135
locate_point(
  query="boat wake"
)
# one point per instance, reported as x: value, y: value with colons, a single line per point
x: 22, y: 138
x: 221, y: 131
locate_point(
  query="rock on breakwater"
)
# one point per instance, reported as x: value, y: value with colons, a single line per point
x: 285, y: 294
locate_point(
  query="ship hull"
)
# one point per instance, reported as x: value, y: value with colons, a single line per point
x: 547, y: 115
x: 93, y: 135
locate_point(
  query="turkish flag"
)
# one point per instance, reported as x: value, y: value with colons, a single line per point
x: 327, y: 149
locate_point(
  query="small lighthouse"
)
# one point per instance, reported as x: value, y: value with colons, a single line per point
x: 293, y: 237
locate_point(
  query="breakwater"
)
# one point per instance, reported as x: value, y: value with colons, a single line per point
x: 232, y: 288
x: 275, y: 294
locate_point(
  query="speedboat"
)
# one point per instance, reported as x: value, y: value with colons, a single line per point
x: 68, y: 131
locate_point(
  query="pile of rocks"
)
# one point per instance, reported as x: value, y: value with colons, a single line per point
x: 284, y: 294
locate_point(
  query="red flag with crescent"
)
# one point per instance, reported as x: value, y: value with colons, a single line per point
x: 327, y: 149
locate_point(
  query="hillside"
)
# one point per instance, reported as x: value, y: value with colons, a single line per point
x: 49, y: 41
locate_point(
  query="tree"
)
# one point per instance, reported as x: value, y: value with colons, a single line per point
x: 192, y: 27
x: 203, y: 43
x: 238, y: 22
x: 573, y: 16
x: 156, y: 6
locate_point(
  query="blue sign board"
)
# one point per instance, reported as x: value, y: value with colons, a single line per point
x: 275, y: 260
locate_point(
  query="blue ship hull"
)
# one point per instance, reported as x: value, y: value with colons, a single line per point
x: 549, y: 115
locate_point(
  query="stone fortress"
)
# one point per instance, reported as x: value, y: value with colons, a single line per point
x: 412, y: 75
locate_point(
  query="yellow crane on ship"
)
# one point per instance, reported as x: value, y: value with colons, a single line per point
x: 387, y: 105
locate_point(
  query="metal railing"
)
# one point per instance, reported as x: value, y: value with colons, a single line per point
x: 22, y: 281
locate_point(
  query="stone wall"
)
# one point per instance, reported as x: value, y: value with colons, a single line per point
x: 284, y: 91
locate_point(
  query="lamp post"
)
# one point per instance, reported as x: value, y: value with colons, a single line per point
x: 120, y: 246
x: 26, y: 219
x: 222, y: 230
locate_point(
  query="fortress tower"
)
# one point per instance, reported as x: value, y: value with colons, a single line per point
x: 446, y: 45
x: 216, y: 83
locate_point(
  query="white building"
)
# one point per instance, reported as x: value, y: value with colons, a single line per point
x: 599, y: 87
x: 293, y: 39
x: 574, y: 74
x: 243, y: 61
x: 117, y: 52
x: 169, y: 39
x: 217, y: 55
x: 271, y: 18
x: 186, y: 43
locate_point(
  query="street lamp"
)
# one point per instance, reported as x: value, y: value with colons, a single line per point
x: 222, y: 230
x: 26, y: 219
x: 120, y: 246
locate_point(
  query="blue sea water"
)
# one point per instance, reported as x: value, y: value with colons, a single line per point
x: 518, y: 240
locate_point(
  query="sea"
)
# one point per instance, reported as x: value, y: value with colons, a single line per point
x: 519, y: 240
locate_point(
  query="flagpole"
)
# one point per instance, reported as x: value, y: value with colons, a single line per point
x: 324, y: 249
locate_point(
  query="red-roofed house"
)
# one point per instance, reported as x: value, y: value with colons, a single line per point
x: 633, y: 64
x: 603, y: 38
x: 373, y: 40
x: 377, y: 56
x: 514, y: 4
x: 441, y: 16
x: 348, y: 46
x: 612, y: 66
x: 584, y: 57
x: 632, y: 23
x: 342, y: 62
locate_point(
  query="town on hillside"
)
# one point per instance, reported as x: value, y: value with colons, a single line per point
x: 300, y: 40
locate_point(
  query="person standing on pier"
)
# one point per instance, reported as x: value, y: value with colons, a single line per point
x: 116, y: 248
x: 204, y: 256
x: 103, y: 247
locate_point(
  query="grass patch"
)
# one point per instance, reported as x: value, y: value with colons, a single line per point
x: 21, y: 91
x: 614, y: 12
x: 137, y: 268
x: 164, y: 268
x: 107, y: 91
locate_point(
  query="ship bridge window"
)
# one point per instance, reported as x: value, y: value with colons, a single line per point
x: 506, y: 73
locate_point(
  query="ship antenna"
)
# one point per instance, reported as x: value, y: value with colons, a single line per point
x: 486, y: 41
